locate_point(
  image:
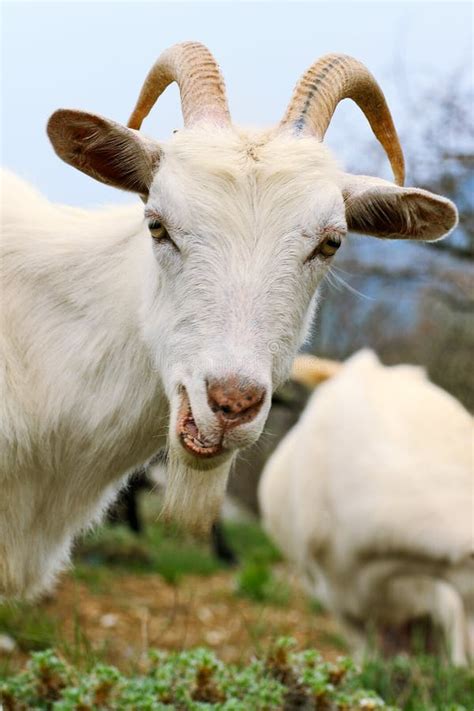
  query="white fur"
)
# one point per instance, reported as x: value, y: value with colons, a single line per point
x: 372, y: 495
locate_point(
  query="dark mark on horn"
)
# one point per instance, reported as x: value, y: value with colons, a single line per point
x: 299, y: 125
x: 300, y: 122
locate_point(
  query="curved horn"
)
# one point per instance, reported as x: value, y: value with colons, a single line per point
x: 202, y: 89
x: 328, y: 81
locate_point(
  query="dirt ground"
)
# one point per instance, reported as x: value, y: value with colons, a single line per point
x: 136, y: 613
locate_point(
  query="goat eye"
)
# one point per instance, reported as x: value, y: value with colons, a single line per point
x: 329, y: 246
x: 158, y: 231
x: 160, y: 234
x: 326, y: 249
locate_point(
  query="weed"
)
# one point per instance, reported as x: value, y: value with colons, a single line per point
x: 257, y: 582
x: 335, y: 640
x: 31, y: 628
x: 420, y: 682
x: 316, y: 607
x: 250, y: 542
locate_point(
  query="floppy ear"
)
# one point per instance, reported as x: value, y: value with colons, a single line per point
x: 381, y: 209
x: 103, y: 149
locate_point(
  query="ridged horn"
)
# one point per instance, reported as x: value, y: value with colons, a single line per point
x: 328, y: 81
x: 201, y: 85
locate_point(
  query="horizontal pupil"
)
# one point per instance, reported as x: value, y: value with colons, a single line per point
x: 334, y: 243
x: 155, y: 226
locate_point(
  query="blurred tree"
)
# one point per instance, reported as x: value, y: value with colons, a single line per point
x: 440, y: 151
x: 413, y: 302
x: 437, y: 135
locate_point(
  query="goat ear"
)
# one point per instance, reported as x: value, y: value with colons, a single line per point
x: 103, y: 149
x: 381, y: 209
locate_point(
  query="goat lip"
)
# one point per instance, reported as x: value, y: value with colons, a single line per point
x: 190, y: 437
x: 197, y: 449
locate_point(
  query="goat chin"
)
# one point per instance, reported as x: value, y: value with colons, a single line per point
x: 193, y: 497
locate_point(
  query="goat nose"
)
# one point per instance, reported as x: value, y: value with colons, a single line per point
x: 234, y: 401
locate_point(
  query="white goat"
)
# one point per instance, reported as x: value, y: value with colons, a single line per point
x: 124, y: 330
x: 371, y: 494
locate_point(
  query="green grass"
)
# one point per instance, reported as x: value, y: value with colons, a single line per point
x: 420, y: 683
x: 334, y: 640
x: 257, y: 582
x: 157, y: 550
x: 97, y: 578
x: 31, y: 628
x: 316, y: 607
x: 109, y: 551
x: 35, y: 630
x: 169, y: 554
x: 251, y: 543
x: 255, y: 579
x: 416, y: 683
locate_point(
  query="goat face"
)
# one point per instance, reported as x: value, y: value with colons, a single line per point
x: 242, y: 228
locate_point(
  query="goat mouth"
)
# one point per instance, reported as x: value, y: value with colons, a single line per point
x: 192, y: 440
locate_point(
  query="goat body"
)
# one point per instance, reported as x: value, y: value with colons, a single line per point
x: 371, y: 494
x: 81, y: 403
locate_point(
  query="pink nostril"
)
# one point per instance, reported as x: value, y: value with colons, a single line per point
x: 234, y: 401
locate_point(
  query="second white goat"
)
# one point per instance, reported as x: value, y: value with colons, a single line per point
x: 372, y: 496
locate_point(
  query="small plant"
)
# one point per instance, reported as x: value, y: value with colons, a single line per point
x: 257, y: 582
x: 189, y: 680
x: 282, y: 680
x: 31, y: 628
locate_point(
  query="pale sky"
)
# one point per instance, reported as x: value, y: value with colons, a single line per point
x: 95, y: 55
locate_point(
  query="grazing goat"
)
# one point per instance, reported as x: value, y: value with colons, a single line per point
x: 125, y: 330
x: 371, y: 495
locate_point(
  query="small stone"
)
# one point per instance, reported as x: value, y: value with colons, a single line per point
x: 109, y: 620
x: 215, y: 637
x: 7, y: 644
x: 204, y: 614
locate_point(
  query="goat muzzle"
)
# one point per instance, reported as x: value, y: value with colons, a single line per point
x: 234, y: 403
x: 190, y: 437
